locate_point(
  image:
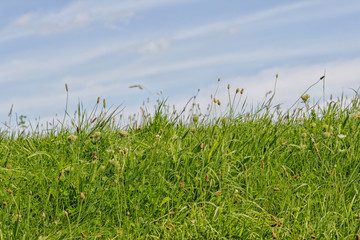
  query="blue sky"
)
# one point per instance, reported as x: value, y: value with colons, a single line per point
x: 99, y: 48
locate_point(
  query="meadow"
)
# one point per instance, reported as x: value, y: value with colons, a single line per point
x: 261, y: 173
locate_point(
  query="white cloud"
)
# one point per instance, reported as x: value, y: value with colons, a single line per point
x: 25, y: 19
x: 300, y: 11
x: 79, y: 14
x: 154, y: 46
x: 231, y: 24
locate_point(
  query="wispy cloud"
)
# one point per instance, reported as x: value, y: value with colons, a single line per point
x: 25, y: 19
x: 154, y: 46
x: 304, y: 11
x: 78, y: 14
x: 232, y: 23
x: 132, y: 71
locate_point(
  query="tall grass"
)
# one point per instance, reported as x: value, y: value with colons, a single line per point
x: 222, y: 174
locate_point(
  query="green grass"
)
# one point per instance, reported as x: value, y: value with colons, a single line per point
x: 219, y: 175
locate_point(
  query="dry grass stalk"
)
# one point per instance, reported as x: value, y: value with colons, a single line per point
x: 206, y: 177
x: 316, y: 148
x: 82, y: 196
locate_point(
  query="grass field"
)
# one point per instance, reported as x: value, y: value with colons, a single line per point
x: 259, y: 174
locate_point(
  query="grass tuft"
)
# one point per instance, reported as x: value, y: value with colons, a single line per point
x: 223, y: 174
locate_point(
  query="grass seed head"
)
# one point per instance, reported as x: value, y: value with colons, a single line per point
x: 83, y: 235
x: 206, y: 177
x: 66, y: 87
x: 182, y: 184
x: 82, y: 196
x: 305, y: 97
x: 341, y: 136
x: 218, y: 102
x: 242, y: 91
x: 66, y: 213
x: 313, y: 236
x: 276, y: 189
x: 5, y: 203
x: 262, y: 164
x: 43, y: 215
x: 218, y: 193
x: 327, y: 134
x: 10, y: 191
x: 274, y: 235
x: 97, y: 135
x: 104, y: 103
x: 195, y: 118
x: 72, y: 138
x: 237, y: 90
x: 123, y: 133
